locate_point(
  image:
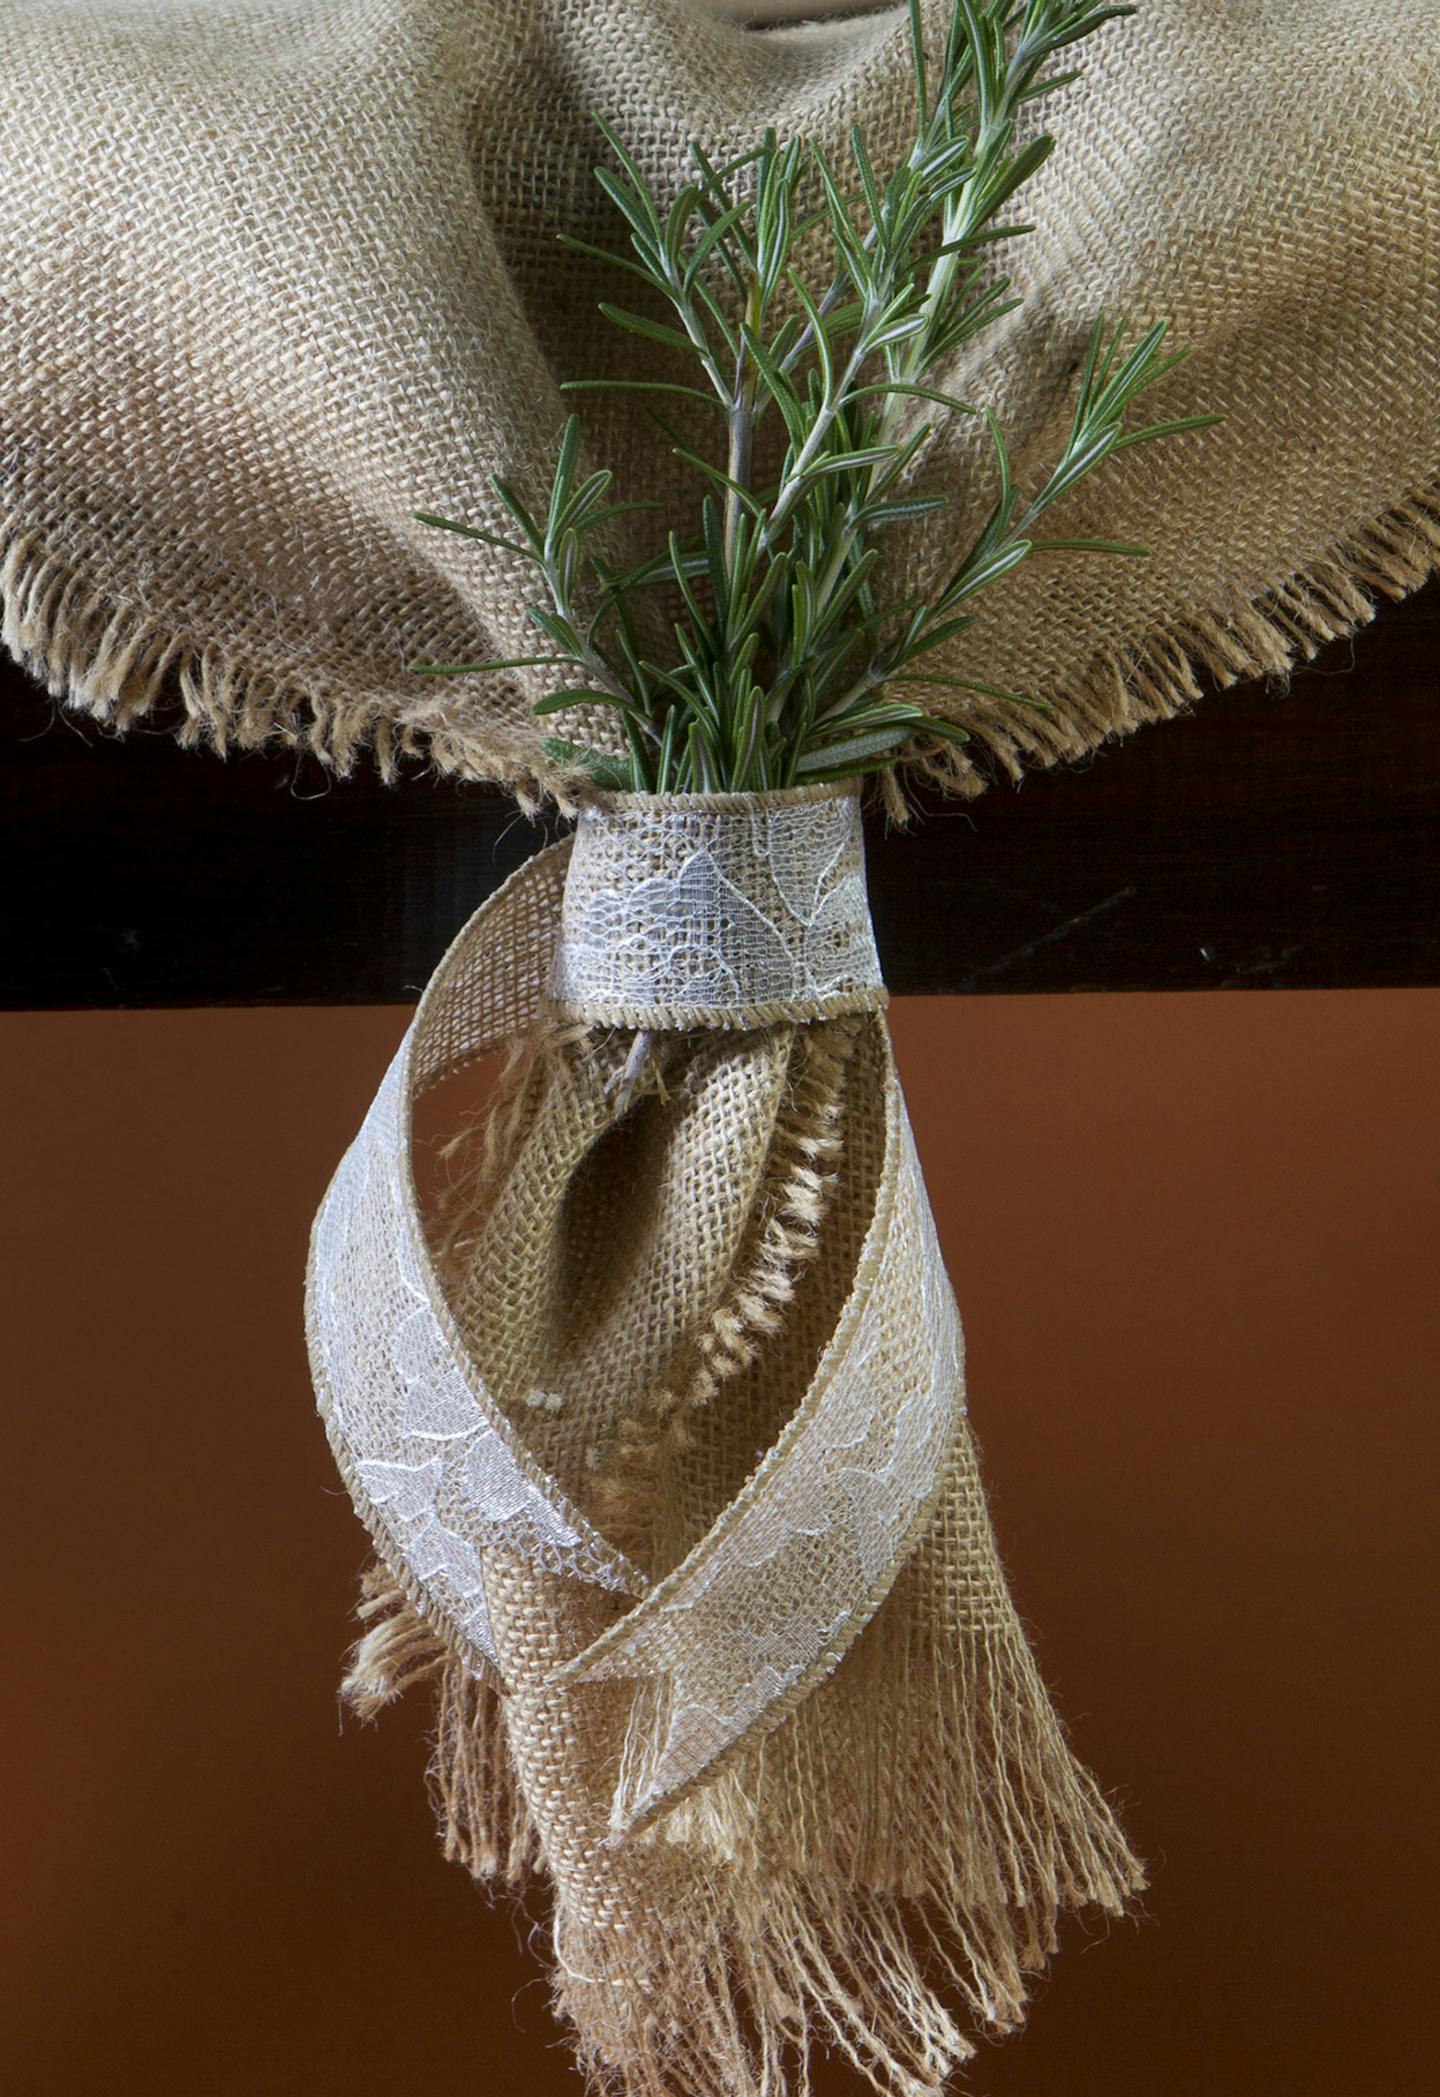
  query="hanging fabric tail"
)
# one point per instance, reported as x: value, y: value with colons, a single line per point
x: 664, y: 1451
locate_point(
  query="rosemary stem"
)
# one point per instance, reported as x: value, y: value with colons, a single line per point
x: 779, y: 588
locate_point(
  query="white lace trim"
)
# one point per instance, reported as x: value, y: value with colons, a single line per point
x: 717, y: 910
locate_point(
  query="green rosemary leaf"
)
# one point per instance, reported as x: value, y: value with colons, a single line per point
x: 870, y: 188
x: 509, y: 662
x: 644, y: 232
x: 778, y: 574
x: 1018, y: 171
x: 1089, y: 546
x: 705, y: 769
x: 602, y: 766
x: 522, y: 516
x: 616, y: 146
x: 786, y: 399
x: 665, y: 764
x: 692, y: 604
x: 852, y: 461
x: 1173, y: 428
x: 715, y: 565
x: 576, y: 695
x: 721, y: 479
x: 1083, y: 458
x: 716, y: 231
x: 988, y: 568
x: 903, y: 455
x: 946, y: 731
x: 968, y: 684
x: 842, y: 226
x: 1050, y: 85
x: 968, y: 318
x: 867, y: 714
x: 683, y: 692
x: 749, y: 726
x: 557, y: 627
x: 719, y: 318
x: 934, y: 634
x: 820, y: 332
x: 677, y: 222
x: 984, y: 236
x: 900, y: 512
x: 834, y: 758
x: 641, y: 779
x: 637, y: 386
x: 585, y: 247
x: 945, y: 400
x: 1005, y: 501
x: 1085, y: 25
x: 917, y: 56
x: 471, y: 531
x: 641, y: 324
x: 595, y: 518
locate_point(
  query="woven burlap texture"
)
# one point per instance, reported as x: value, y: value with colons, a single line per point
x: 275, y: 275
x: 657, y: 1421
x: 733, y: 910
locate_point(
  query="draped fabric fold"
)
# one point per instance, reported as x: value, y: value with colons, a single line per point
x: 657, y: 1420
x: 276, y: 274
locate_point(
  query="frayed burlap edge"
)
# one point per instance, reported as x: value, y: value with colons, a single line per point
x: 783, y: 1240
x: 120, y: 664
x: 764, y: 1964
x: 1271, y: 635
x: 480, y: 1812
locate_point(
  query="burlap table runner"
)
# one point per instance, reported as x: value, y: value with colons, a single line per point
x: 276, y: 273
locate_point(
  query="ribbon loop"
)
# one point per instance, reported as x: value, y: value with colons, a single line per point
x: 768, y: 1600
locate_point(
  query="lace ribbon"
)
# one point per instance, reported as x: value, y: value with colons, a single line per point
x: 717, y: 910
x: 763, y: 904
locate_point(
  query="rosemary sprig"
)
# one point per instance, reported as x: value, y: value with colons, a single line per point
x: 789, y: 664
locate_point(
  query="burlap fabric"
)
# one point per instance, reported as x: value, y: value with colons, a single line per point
x: 276, y: 273
x: 657, y: 1418
x: 734, y: 911
x: 659, y: 1429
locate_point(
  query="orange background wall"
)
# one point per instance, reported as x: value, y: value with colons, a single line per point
x: 1194, y: 1241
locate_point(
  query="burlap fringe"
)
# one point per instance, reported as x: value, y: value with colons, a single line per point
x: 802, y: 1928
x: 902, y: 1847
x: 737, y: 1988
x: 1271, y: 635
x: 481, y: 1816
x: 483, y: 1146
x: 395, y: 1650
x: 888, y: 1862
x: 119, y: 663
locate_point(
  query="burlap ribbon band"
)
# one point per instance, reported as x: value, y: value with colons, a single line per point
x: 762, y: 898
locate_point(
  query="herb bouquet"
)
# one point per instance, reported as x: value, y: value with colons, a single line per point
x: 657, y: 1419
